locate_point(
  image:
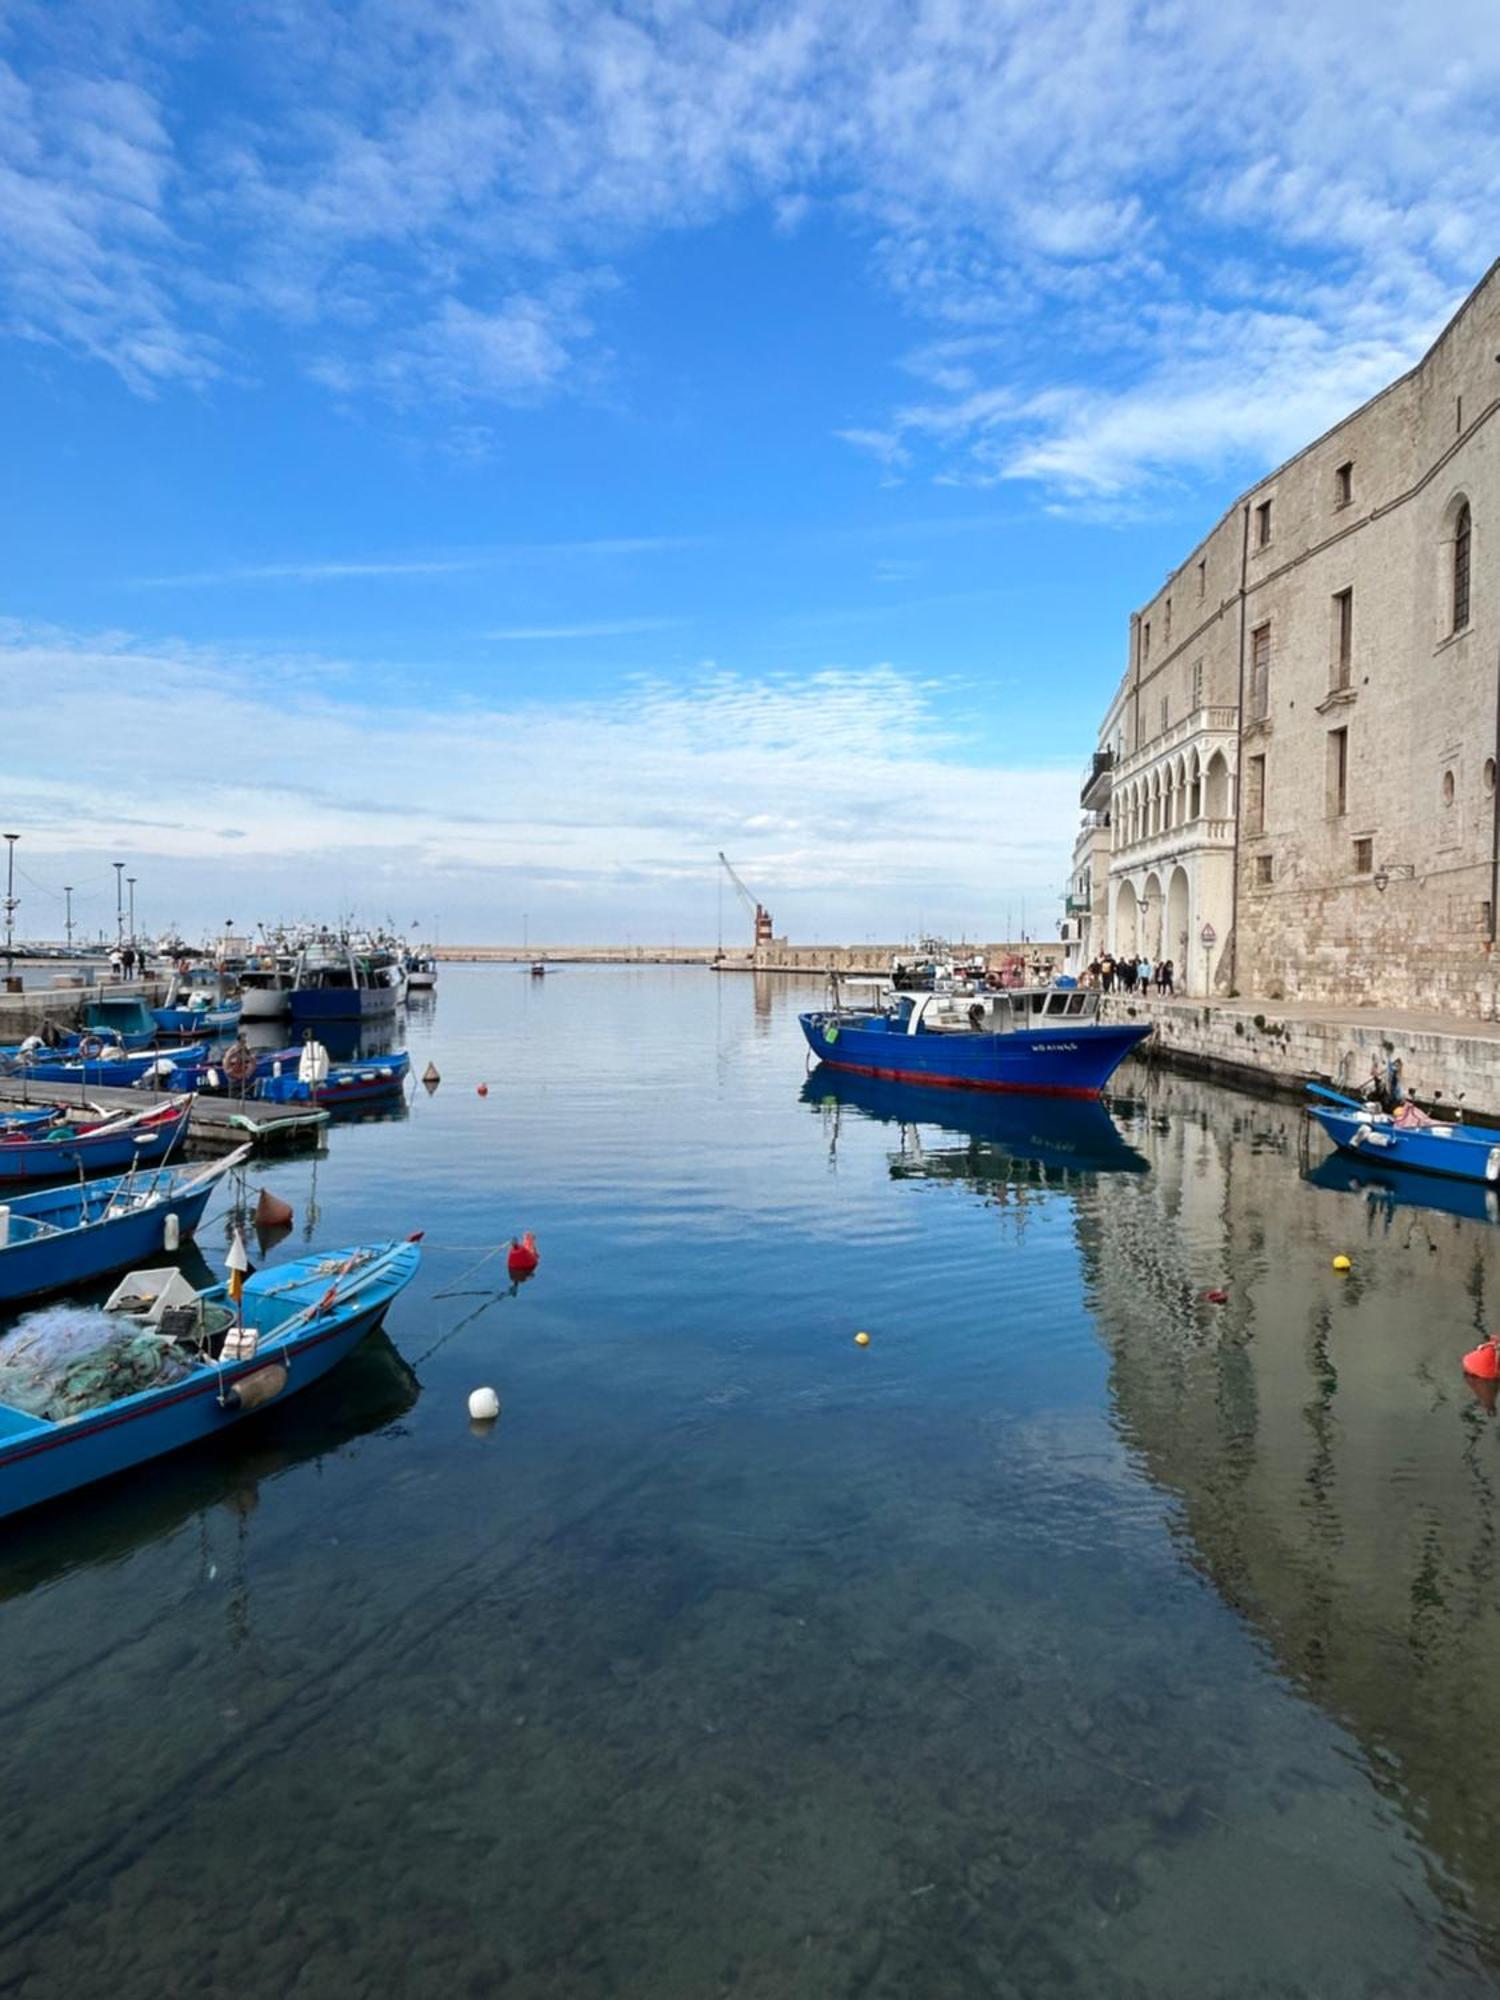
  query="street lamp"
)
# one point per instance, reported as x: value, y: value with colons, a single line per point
x: 10, y: 899
x: 131, y: 880
x: 68, y: 924
x: 119, y: 868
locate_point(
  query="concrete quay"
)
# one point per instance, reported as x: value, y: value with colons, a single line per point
x: 1279, y: 1045
x: 25, y: 1013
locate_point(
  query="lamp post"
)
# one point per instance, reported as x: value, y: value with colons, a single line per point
x: 68, y: 922
x: 10, y: 899
x: 119, y: 868
x: 131, y: 880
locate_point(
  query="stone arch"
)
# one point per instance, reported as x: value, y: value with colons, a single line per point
x: 1150, y: 927
x: 1153, y: 816
x: 1180, y: 791
x: 1177, y: 936
x: 1125, y: 930
x: 1216, y: 788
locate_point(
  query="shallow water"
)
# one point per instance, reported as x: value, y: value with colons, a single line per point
x: 1076, y: 1635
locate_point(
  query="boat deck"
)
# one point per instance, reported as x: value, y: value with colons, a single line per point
x: 218, y: 1122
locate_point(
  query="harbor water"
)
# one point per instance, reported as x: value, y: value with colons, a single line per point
x: 1077, y: 1634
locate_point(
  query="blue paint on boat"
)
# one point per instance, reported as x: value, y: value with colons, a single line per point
x: 1455, y: 1151
x: 307, y: 1315
x: 1046, y: 1041
x: 64, y: 1236
x: 117, y: 1072
x: 82, y: 1144
x: 345, y: 1083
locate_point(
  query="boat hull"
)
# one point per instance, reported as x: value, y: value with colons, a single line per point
x: 308, y: 1005
x: 1456, y: 1152
x: 1065, y: 1061
x: 264, y: 1003
x: 26, y: 1160
x: 49, y: 1460
x: 31, y: 1269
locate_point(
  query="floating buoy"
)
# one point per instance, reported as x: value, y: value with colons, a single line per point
x: 430, y: 1078
x: 1342, y: 1264
x: 271, y: 1212
x: 861, y: 1340
x: 1216, y: 1298
x: 523, y: 1258
x: 1483, y: 1362
x: 484, y: 1406
x: 484, y: 1090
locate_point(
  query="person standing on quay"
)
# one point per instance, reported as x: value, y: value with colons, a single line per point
x: 1143, y: 973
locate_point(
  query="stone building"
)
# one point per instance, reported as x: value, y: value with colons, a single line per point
x: 1303, y: 803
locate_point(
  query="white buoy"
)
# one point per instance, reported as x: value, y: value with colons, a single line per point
x: 484, y: 1405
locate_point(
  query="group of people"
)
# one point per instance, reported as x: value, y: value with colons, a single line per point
x: 126, y: 961
x: 1130, y: 975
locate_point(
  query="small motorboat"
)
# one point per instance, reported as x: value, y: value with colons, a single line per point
x: 200, y: 1001
x: 266, y: 988
x: 164, y: 1366
x: 114, y: 1067
x: 306, y: 1076
x: 70, y: 1143
x: 421, y: 972
x: 1406, y: 1139
x: 1045, y: 1039
x: 69, y: 1235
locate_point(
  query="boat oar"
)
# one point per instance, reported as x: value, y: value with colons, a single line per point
x: 1337, y: 1097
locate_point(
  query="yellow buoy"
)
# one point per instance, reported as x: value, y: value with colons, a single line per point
x: 861, y: 1340
x: 1342, y: 1264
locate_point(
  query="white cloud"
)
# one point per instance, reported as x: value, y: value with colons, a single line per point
x: 619, y: 803
x: 609, y: 628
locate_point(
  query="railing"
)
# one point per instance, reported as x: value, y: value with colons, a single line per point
x: 1092, y: 792
x: 1173, y: 840
x: 1202, y: 722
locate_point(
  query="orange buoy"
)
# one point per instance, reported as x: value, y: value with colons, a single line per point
x: 271, y: 1212
x: 1483, y: 1362
x: 523, y: 1258
x: 1216, y: 1298
x: 484, y: 1090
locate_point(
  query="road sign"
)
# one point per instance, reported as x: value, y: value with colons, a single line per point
x: 1208, y: 935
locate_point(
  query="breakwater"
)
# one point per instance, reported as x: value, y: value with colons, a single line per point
x: 869, y: 960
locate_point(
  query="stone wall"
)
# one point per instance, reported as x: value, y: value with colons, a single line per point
x: 1257, y: 1047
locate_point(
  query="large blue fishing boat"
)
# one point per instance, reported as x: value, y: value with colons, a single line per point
x: 1048, y: 1040
x: 189, y: 1363
x: 71, y: 1234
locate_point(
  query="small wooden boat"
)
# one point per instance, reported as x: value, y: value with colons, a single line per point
x: 296, y: 1081
x: 1461, y: 1152
x: 69, y: 1235
x: 199, y: 1002
x: 91, y: 1144
x: 203, y: 1365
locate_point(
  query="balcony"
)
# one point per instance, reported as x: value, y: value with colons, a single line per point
x: 1094, y: 795
x: 1190, y: 836
x: 1202, y: 722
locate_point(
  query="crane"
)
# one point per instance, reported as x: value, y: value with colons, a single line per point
x: 757, y: 909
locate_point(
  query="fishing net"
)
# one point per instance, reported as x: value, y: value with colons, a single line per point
x: 65, y: 1360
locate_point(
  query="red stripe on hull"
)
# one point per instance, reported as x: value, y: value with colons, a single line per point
x: 962, y: 1082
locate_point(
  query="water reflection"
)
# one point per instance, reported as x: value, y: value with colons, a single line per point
x: 1006, y: 1140
x: 1337, y: 1478
x: 1387, y: 1189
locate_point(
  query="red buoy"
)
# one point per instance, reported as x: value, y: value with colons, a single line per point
x: 523, y: 1258
x: 1216, y: 1298
x: 484, y: 1090
x: 1483, y: 1362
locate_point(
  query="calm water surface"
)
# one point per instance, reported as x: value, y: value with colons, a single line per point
x: 1077, y: 1635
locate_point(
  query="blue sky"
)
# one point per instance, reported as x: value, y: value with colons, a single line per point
x: 477, y: 460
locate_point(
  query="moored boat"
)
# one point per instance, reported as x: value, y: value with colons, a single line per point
x: 1047, y: 1040
x: 72, y: 1234
x: 336, y: 982
x: 115, y: 1068
x: 1407, y: 1139
x: 84, y: 1144
x: 194, y: 1364
x: 266, y: 988
x: 202, y: 1000
x: 308, y: 1077
x: 421, y: 972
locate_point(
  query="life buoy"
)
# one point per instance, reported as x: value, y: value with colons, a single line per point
x: 90, y: 1046
x: 238, y: 1062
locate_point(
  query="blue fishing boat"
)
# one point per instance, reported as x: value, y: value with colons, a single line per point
x: 337, y: 981
x: 117, y: 1020
x: 1046, y: 1040
x: 332, y: 1084
x: 68, y: 1235
x: 119, y: 1069
x: 1457, y: 1151
x: 198, y: 1002
x: 79, y: 1143
x: 201, y: 1366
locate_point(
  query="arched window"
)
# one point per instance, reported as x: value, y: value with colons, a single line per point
x: 1463, y: 534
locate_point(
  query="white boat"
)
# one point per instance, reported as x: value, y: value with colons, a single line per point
x: 266, y: 988
x: 421, y: 972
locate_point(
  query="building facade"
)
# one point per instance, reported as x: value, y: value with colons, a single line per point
x: 1303, y: 804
